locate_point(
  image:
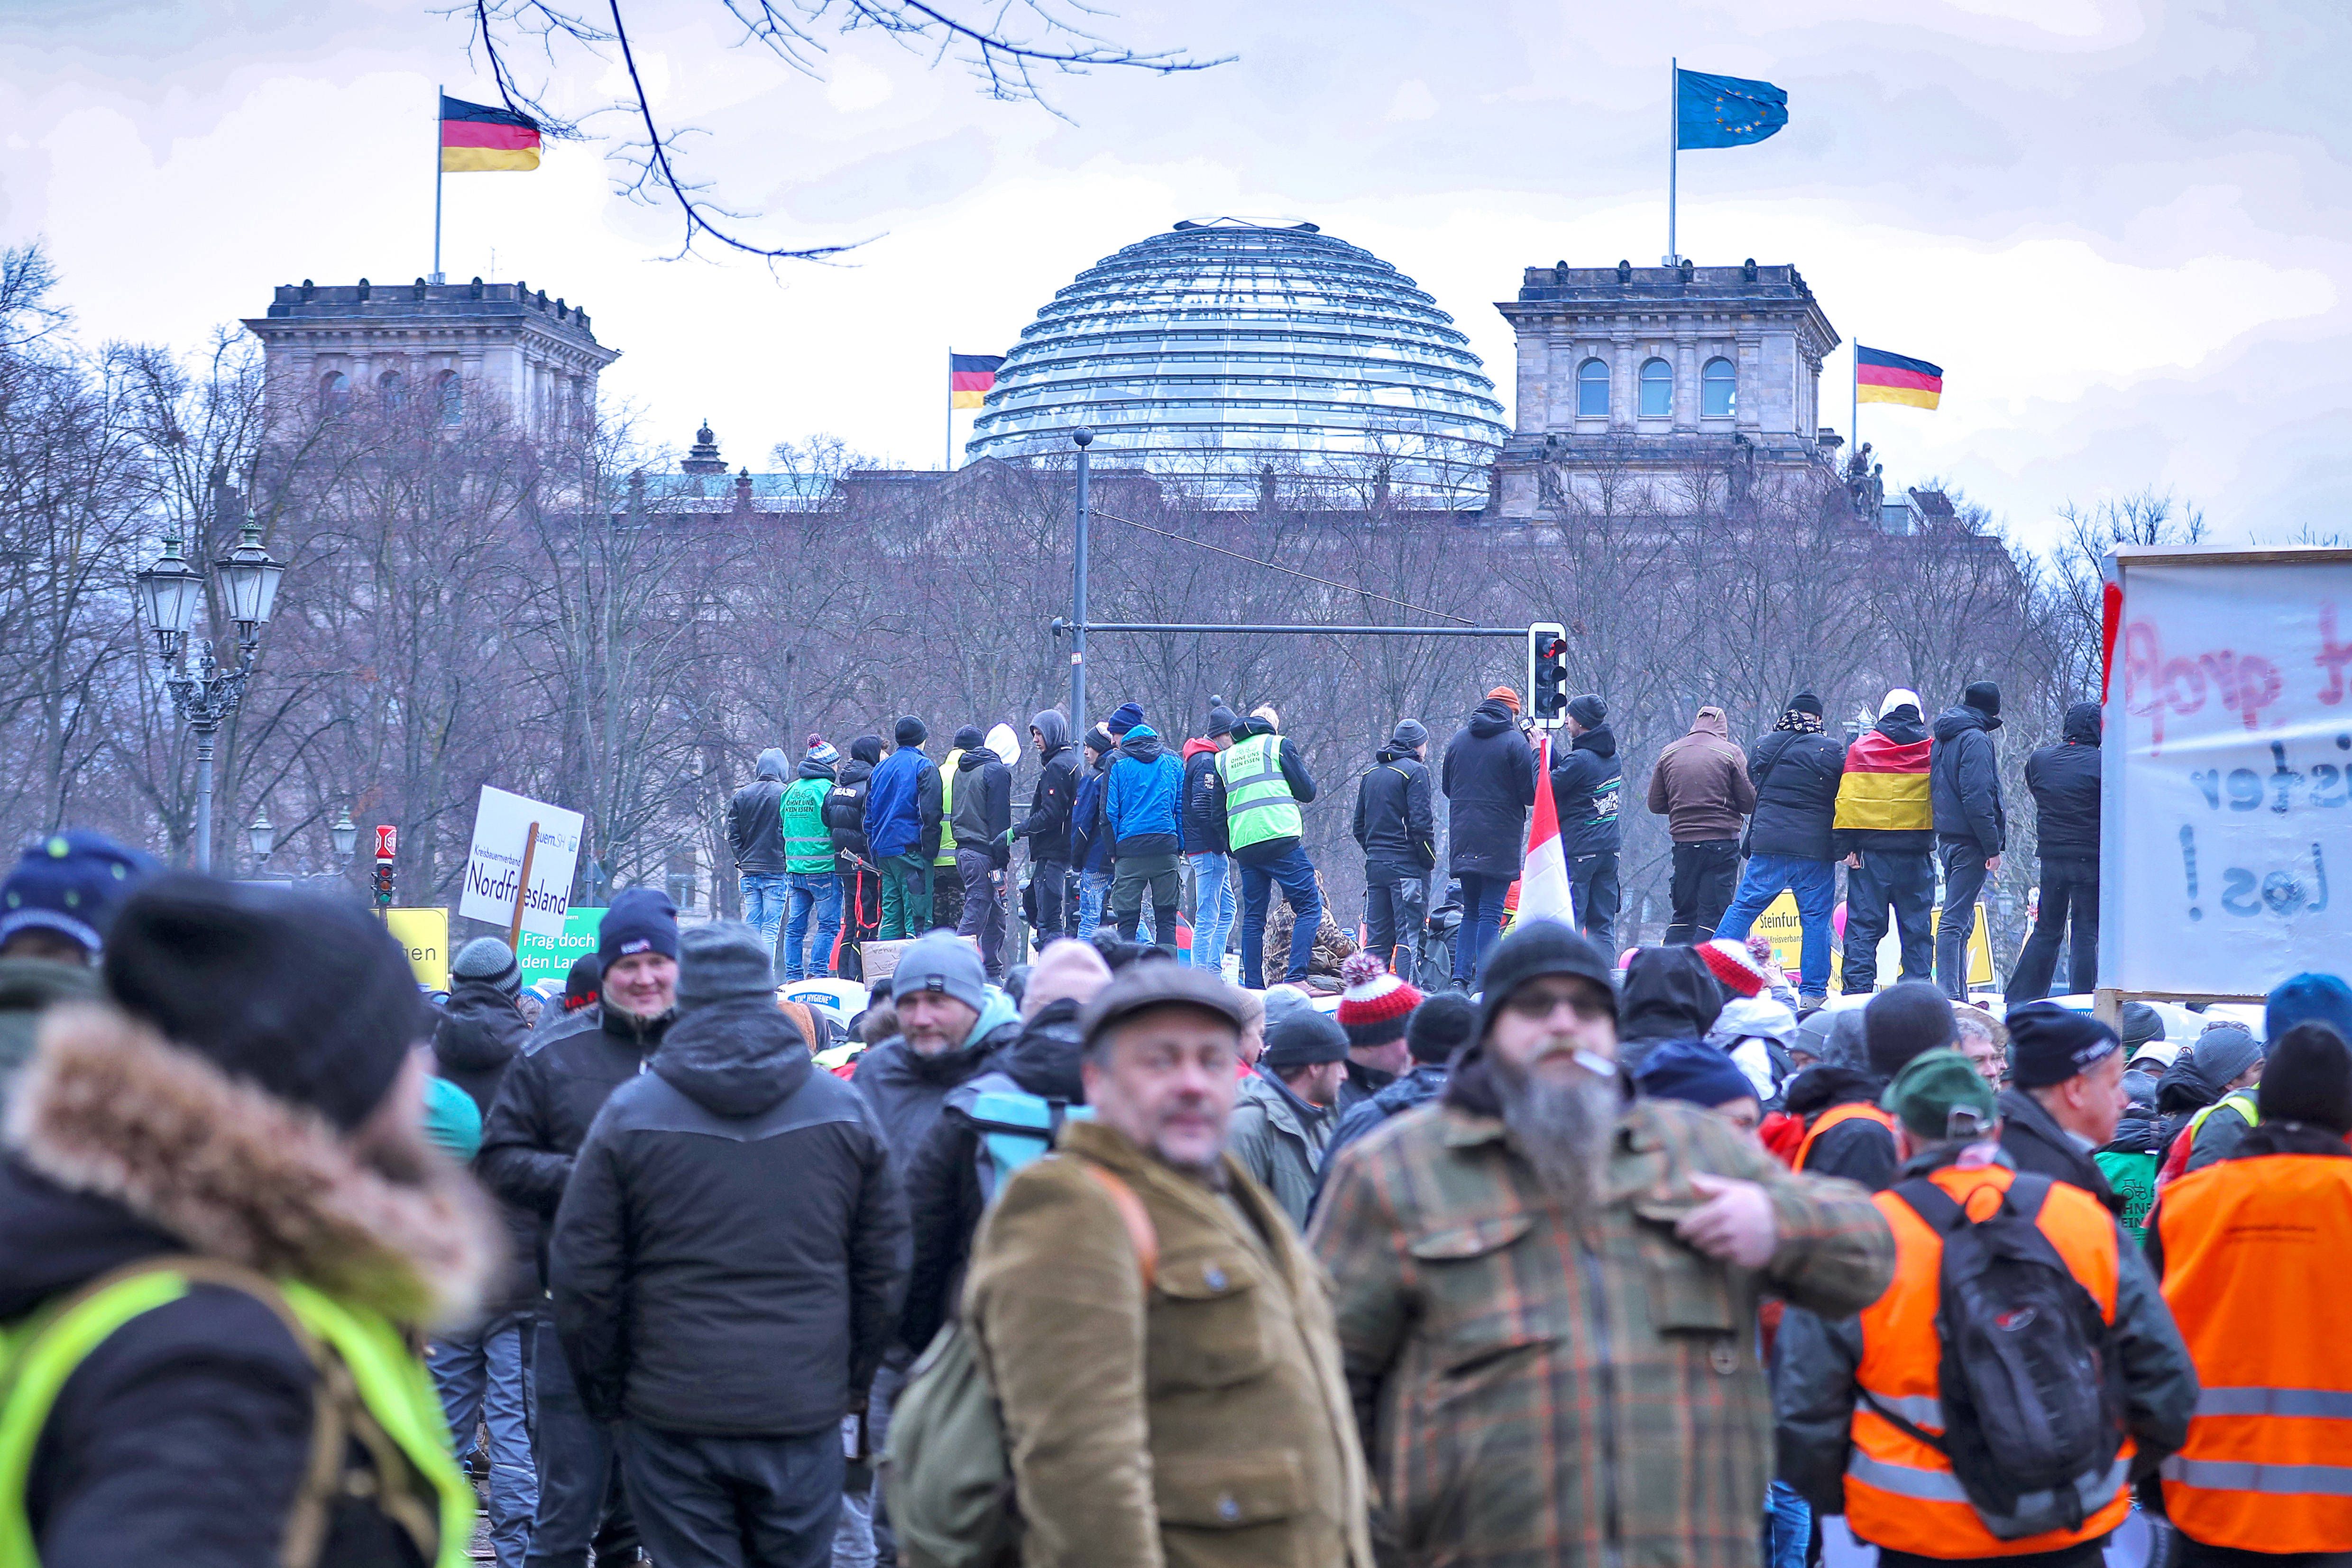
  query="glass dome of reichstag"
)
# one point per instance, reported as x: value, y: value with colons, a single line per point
x: 1220, y: 347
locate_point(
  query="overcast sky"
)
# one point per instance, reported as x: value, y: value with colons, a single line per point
x: 2120, y: 225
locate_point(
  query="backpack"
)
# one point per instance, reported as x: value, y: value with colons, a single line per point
x: 946, y: 1475
x: 2030, y: 1382
x: 1015, y: 1128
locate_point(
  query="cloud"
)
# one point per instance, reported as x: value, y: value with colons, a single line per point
x: 1413, y: 100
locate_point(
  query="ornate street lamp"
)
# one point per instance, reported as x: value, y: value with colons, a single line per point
x: 346, y: 834
x: 261, y: 836
x: 203, y: 691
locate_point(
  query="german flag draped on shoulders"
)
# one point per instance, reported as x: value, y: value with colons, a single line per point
x: 1883, y: 799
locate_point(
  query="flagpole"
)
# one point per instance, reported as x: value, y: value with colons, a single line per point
x: 1854, y: 412
x: 436, y: 182
x: 1674, y: 148
x: 947, y: 446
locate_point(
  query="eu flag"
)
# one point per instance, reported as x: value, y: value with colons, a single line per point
x: 1725, y: 111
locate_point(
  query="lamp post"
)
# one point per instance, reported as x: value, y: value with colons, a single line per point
x: 346, y: 836
x: 205, y: 693
x: 261, y: 837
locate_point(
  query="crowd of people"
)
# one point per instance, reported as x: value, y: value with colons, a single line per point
x: 1104, y: 1259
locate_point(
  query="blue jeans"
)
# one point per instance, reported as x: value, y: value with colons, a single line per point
x: 1213, y: 911
x: 822, y: 893
x: 1815, y: 884
x: 1482, y: 922
x: 763, y: 906
x: 485, y: 1377
x: 1296, y: 873
x: 1788, y: 1527
x: 1092, y: 887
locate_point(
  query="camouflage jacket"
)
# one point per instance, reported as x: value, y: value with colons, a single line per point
x: 1542, y: 1387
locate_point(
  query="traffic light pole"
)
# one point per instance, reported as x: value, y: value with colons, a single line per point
x: 1078, y: 625
x: 1061, y: 627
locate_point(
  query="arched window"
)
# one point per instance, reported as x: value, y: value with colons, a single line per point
x: 1719, y: 390
x: 334, y: 393
x: 1592, y: 390
x: 452, y: 393
x: 1657, y: 390
x: 392, y: 387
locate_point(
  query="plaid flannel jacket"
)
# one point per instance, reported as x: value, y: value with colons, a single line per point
x: 1541, y: 1387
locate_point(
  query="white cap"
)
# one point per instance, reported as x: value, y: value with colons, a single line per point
x: 2156, y: 1050
x: 1897, y: 698
x: 1006, y: 743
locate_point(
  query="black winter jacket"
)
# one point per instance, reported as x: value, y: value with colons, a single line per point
x: 1586, y: 788
x: 2032, y: 1138
x: 755, y: 819
x: 1047, y: 825
x: 983, y: 804
x: 1394, y: 823
x: 844, y: 805
x: 1669, y: 994
x: 2064, y: 779
x: 1415, y: 1089
x: 943, y: 1196
x: 1857, y: 1149
x: 1964, y: 780
x: 479, y: 1035
x: 1796, y: 779
x: 1490, y: 781
x: 731, y: 1250
x: 548, y: 1102
x: 907, y: 1090
x: 1202, y: 807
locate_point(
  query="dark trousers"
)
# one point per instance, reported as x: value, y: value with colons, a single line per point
x: 1964, y: 878
x: 734, y: 1502
x: 1901, y: 883
x: 1396, y: 902
x: 1136, y: 876
x: 1482, y: 922
x: 1593, y: 880
x: 2070, y: 899
x: 906, y: 897
x: 983, y: 908
x: 1049, y: 891
x: 581, y: 1501
x: 1704, y: 874
x: 946, y: 893
x: 1295, y: 874
x: 861, y: 917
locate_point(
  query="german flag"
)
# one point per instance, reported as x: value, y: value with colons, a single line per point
x: 969, y: 378
x: 1885, y: 788
x: 476, y: 138
x: 1882, y: 377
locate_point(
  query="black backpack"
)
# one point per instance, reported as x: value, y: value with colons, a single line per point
x: 2030, y: 1382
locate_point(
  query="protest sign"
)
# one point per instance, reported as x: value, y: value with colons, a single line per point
x: 550, y: 957
x: 423, y: 935
x: 518, y: 870
x: 1780, y: 925
x: 2228, y: 754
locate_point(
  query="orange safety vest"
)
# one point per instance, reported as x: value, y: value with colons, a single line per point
x: 1860, y: 1110
x: 1900, y: 1493
x: 2257, y: 1262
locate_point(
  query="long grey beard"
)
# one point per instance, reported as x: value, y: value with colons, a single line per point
x: 1561, y: 1128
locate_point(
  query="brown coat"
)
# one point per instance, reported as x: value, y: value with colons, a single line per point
x: 1205, y: 1422
x: 1700, y: 784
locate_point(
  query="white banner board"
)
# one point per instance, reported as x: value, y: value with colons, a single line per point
x: 2227, y: 794
x: 502, y: 827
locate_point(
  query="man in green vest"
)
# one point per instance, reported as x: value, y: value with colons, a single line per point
x: 1265, y: 781
x: 809, y: 879
x: 221, y: 1227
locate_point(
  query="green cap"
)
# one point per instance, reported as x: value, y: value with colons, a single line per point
x: 1931, y: 1088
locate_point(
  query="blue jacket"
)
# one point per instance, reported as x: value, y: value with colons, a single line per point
x: 1143, y: 796
x: 1089, y: 834
x: 902, y: 805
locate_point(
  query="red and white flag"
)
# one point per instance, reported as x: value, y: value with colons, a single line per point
x: 1544, y: 892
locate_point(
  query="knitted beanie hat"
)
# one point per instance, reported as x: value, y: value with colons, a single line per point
x: 1507, y: 696
x: 486, y: 961
x: 1376, y: 1004
x: 1729, y: 962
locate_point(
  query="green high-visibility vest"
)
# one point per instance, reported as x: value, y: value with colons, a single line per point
x: 392, y: 1386
x: 947, y: 809
x: 2237, y: 1100
x: 808, y: 843
x: 1258, y: 802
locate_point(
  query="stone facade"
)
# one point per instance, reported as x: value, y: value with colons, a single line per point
x: 1645, y: 372
x: 455, y: 342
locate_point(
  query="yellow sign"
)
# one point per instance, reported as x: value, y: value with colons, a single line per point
x: 424, y: 935
x: 1780, y: 925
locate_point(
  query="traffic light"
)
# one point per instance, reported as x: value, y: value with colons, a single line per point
x: 384, y: 883
x: 1548, y: 674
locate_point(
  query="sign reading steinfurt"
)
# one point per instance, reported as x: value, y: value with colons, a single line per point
x: 519, y: 872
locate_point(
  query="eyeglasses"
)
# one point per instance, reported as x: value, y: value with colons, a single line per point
x: 1537, y: 1003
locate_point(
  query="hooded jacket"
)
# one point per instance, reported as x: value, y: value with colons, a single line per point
x: 184, y: 1437
x: 1090, y: 839
x: 808, y: 842
x: 1143, y: 796
x: 1700, y: 783
x: 2064, y: 779
x: 1047, y: 825
x: 1964, y: 780
x: 1883, y: 805
x: 1489, y: 778
x: 983, y: 804
x: 1586, y: 789
x: 943, y: 1196
x: 902, y: 805
x: 2032, y: 1138
x: 479, y: 1035
x: 1796, y: 779
x: 844, y: 807
x: 1395, y: 825
x: 1279, y: 1138
x: 1858, y: 1149
x: 731, y: 1251
x: 1204, y: 800
x: 907, y: 1090
x: 755, y: 819
x: 1669, y: 994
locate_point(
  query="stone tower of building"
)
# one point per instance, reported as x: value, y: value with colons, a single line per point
x: 453, y: 342
x: 1639, y: 373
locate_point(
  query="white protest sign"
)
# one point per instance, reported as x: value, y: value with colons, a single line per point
x: 2227, y: 803
x: 503, y: 832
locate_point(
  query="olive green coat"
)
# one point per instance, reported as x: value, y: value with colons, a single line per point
x: 29, y: 987
x: 1203, y: 1423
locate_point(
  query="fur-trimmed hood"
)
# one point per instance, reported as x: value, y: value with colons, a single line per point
x: 110, y: 1110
